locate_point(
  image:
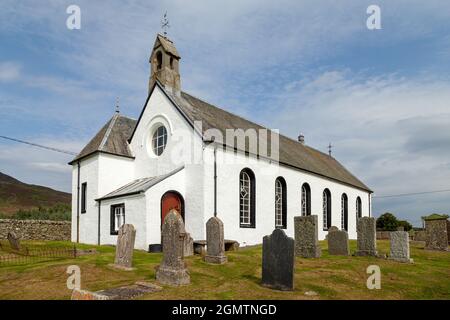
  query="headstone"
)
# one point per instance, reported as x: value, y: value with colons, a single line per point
x: 188, y: 245
x: 400, y: 246
x: 278, y: 261
x: 14, y: 240
x: 172, y: 270
x: 436, y: 234
x: 125, y: 247
x: 338, y: 242
x: 366, y: 234
x: 215, y: 243
x: 307, y: 237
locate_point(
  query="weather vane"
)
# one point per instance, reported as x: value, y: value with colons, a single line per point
x: 329, y: 149
x: 165, y: 24
x: 117, y: 105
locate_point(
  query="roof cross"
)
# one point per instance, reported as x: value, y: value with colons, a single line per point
x: 165, y: 24
x: 329, y: 149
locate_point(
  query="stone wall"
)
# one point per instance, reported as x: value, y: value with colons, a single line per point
x: 36, y: 229
x: 383, y: 235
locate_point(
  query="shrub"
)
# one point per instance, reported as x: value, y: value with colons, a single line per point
x: 387, y: 222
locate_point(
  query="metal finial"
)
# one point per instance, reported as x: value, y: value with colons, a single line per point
x: 329, y: 149
x: 165, y: 24
x: 117, y: 105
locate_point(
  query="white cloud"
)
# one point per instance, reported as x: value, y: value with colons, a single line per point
x: 9, y: 71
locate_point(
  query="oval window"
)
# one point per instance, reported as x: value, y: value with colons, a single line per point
x: 159, y: 140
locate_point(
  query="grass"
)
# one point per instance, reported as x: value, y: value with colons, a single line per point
x: 332, y: 277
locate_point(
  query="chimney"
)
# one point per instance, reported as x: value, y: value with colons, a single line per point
x: 301, y: 138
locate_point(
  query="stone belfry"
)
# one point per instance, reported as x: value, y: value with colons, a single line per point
x: 164, y: 65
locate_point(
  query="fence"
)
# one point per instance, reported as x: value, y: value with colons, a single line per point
x: 9, y: 256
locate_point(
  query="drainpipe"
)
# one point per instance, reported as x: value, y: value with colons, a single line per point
x: 370, y: 205
x: 215, y: 181
x: 99, y: 211
x: 78, y: 204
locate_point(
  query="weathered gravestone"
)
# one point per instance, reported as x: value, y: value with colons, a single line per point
x: 278, y: 261
x: 172, y: 270
x: 338, y: 242
x: 188, y: 249
x: 14, y: 240
x: 307, y: 237
x: 367, y: 237
x: 436, y: 234
x: 399, y: 242
x: 125, y: 247
x: 215, y: 243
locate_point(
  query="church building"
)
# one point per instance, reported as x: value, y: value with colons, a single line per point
x: 178, y: 155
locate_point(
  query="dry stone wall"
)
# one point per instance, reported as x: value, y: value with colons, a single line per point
x: 36, y: 229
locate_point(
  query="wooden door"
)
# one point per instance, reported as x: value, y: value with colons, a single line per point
x: 169, y: 201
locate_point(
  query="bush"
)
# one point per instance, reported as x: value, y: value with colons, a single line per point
x: 405, y: 224
x: 387, y: 222
x: 60, y: 212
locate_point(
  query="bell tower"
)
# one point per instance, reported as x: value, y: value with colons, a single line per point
x: 164, y: 65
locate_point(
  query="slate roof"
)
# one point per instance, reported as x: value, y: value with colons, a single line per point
x: 168, y: 45
x: 119, y: 130
x: 138, y: 186
x: 112, y: 138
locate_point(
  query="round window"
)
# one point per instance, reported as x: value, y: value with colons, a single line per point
x: 159, y: 140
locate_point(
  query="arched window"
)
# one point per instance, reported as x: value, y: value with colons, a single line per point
x: 344, y: 212
x: 247, y: 198
x: 306, y: 200
x: 158, y: 60
x: 280, y: 203
x: 326, y: 209
x: 358, y: 208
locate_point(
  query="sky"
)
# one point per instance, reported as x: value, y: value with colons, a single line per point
x: 381, y: 97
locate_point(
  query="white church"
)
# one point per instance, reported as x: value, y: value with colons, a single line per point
x: 177, y: 155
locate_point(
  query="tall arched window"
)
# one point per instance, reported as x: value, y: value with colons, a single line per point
x: 344, y: 212
x: 326, y: 209
x: 306, y: 200
x: 247, y: 198
x: 280, y: 203
x: 358, y: 208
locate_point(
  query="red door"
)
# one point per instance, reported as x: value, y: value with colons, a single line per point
x: 169, y: 201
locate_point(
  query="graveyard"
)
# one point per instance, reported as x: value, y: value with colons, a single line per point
x: 327, y: 277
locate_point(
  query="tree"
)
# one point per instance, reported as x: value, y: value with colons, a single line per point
x: 405, y: 224
x: 387, y: 222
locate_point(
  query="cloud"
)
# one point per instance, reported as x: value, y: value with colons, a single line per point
x: 9, y: 71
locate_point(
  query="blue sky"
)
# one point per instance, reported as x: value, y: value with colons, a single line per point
x: 381, y: 97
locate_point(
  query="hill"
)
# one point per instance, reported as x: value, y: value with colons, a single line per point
x: 16, y: 195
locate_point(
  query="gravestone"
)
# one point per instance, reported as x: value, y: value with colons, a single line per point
x: 338, y: 242
x: 125, y: 247
x: 366, y: 234
x: 436, y: 234
x: 307, y: 237
x: 399, y: 246
x: 14, y: 240
x: 172, y: 270
x: 215, y: 242
x: 278, y: 261
x: 188, y: 249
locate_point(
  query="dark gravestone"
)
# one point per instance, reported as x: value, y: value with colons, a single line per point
x: 172, y: 270
x: 125, y: 247
x: 436, y: 234
x: 215, y: 242
x: 367, y: 237
x: 307, y: 237
x: 14, y: 240
x: 278, y: 261
x: 338, y: 242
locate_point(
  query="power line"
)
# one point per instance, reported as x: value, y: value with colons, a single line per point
x: 39, y: 146
x: 411, y: 194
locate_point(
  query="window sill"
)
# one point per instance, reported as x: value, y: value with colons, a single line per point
x: 247, y: 226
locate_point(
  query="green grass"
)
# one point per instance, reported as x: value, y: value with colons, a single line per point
x: 332, y: 277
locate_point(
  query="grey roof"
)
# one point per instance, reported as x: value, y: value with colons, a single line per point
x: 112, y: 138
x: 138, y: 186
x: 291, y: 152
x: 167, y: 44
